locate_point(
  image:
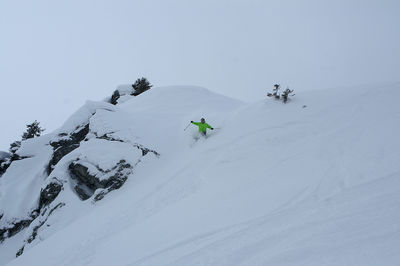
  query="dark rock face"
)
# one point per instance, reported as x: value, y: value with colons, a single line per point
x: 35, y: 229
x: 144, y: 150
x: 140, y: 86
x: 20, y: 251
x: 65, y: 146
x: 116, y: 180
x: 49, y: 193
x: 4, y: 161
x: 4, y: 164
x: 88, y: 180
x: 16, y: 226
x: 74, y: 138
x: 115, y: 97
x: 68, y: 143
x: 58, y: 154
x: 88, y: 183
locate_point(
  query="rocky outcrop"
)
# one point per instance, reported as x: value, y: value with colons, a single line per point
x: 88, y: 174
x: 4, y: 162
x: 47, y: 195
x: 99, y: 183
x: 123, y: 92
x: 43, y: 219
x: 6, y: 159
x: 144, y: 150
x: 114, y: 97
x: 16, y: 226
x: 3, y: 166
x: 50, y: 192
x: 66, y: 144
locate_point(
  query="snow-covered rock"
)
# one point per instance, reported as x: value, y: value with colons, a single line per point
x: 123, y: 93
x: 47, y: 173
x: 4, y: 158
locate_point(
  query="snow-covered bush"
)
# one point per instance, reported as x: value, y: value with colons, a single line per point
x: 141, y: 85
x: 32, y: 130
x: 277, y: 95
x: 275, y: 92
x: 14, y: 146
x: 285, y: 95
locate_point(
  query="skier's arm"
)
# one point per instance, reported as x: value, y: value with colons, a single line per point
x: 210, y: 127
x: 195, y: 123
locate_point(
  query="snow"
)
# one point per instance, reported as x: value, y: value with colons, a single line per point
x: 101, y: 153
x: 21, y: 183
x: 82, y: 116
x: 312, y: 182
x: 9, y: 247
x: 125, y: 89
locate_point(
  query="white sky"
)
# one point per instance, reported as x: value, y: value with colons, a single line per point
x: 54, y: 55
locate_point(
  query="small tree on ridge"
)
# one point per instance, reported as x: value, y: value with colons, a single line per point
x: 32, y: 130
x: 141, y: 85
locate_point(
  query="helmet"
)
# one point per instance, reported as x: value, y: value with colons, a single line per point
x: 203, y: 120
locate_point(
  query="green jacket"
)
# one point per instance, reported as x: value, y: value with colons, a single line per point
x: 202, y: 127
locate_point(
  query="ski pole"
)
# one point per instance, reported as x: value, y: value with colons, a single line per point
x: 187, y: 126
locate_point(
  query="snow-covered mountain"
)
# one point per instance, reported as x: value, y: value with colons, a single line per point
x: 312, y: 182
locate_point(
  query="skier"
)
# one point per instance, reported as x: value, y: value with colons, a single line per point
x: 202, y: 126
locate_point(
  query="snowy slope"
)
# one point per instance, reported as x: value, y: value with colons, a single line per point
x: 312, y: 182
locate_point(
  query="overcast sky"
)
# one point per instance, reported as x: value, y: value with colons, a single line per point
x: 55, y: 55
